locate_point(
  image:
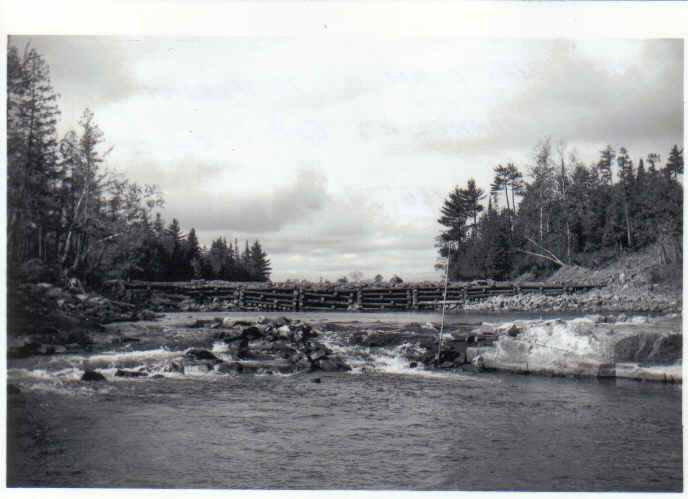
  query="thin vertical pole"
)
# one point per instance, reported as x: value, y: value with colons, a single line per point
x: 444, y: 304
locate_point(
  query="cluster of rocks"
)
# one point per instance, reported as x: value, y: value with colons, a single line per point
x: 265, y: 346
x: 419, y: 345
x: 281, y: 339
x: 592, y: 302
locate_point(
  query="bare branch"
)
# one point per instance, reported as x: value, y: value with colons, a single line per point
x: 546, y: 257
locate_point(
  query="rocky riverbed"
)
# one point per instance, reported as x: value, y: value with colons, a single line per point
x: 595, y: 301
x: 46, y: 319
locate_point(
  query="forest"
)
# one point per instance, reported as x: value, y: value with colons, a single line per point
x: 563, y: 212
x: 68, y: 213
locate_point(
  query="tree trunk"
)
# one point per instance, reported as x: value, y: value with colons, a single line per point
x: 568, y: 242
x: 628, y: 223
x: 541, y: 209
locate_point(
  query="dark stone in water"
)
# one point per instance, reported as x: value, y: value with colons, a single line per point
x: 316, y: 380
x: 201, y: 354
x: 252, y: 333
x: 513, y: 331
x: 13, y: 389
x: 229, y: 368
x: 90, y: 375
x: 413, y: 365
x: 330, y: 364
x: 124, y: 373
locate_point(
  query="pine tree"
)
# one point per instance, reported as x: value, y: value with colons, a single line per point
x: 454, y: 216
x: 674, y: 166
x: 604, y: 165
x: 32, y: 115
x: 472, y: 195
x: 260, y: 268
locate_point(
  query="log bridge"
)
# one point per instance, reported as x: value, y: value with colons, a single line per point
x: 267, y: 297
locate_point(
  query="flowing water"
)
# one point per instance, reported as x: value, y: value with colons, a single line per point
x: 381, y: 426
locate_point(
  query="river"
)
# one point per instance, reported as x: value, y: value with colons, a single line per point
x: 381, y: 426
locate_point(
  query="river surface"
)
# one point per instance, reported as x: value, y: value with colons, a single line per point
x: 381, y: 426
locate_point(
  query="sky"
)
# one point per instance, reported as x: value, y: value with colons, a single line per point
x: 337, y: 152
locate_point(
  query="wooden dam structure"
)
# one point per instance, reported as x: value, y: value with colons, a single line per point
x: 340, y: 298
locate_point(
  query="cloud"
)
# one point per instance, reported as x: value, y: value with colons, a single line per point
x: 579, y: 99
x: 94, y: 68
x: 232, y: 211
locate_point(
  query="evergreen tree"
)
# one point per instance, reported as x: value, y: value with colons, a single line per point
x: 454, y: 216
x: 193, y: 254
x: 472, y: 196
x: 259, y: 263
x: 32, y: 112
x: 674, y: 166
x: 604, y: 165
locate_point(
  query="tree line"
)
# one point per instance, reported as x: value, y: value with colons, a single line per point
x: 563, y: 212
x: 67, y: 210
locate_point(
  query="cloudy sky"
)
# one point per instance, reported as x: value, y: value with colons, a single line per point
x: 336, y: 152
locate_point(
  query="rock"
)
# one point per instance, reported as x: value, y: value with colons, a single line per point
x: 252, y: 333
x: 229, y: 368
x: 174, y: 366
x: 13, y: 389
x: 281, y: 321
x: 513, y: 331
x: 473, y: 352
x: 200, y: 354
x: 478, y: 363
x: 379, y: 339
x: 319, y: 353
x: 332, y: 363
x: 125, y: 373
x: 316, y: 380
x: 90, y: 375
x: 284, y: 331
x: 242, y: 351
x: 413, y: 365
